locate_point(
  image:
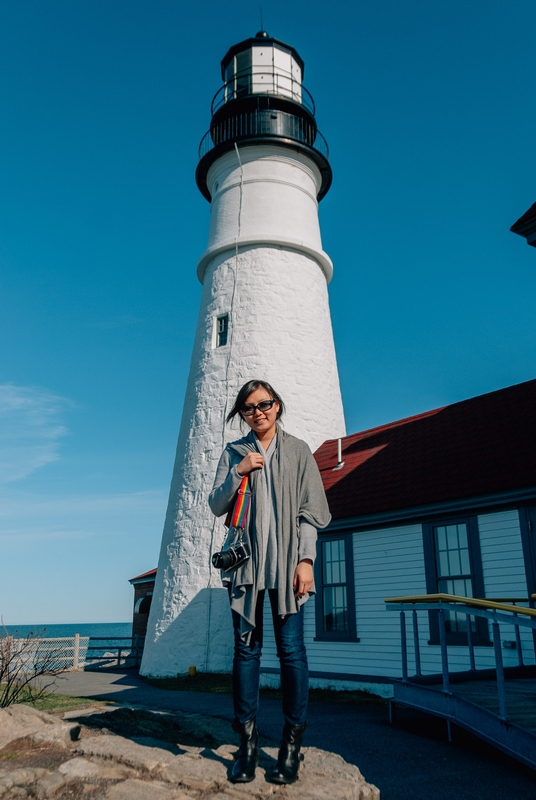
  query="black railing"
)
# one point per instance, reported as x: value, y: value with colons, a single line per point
x: 127, y: 653
x: 259, y: 123
x: 254, y: 81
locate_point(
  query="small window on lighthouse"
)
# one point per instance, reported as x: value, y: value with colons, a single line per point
x: 222, y: 329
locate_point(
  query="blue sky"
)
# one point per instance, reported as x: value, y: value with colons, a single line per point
x: 428, y: 111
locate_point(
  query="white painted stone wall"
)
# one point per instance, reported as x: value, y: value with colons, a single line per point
x: 264, y: 194
x: 264, y: 267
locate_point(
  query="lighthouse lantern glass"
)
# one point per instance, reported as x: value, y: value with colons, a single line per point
x: 264, y: 69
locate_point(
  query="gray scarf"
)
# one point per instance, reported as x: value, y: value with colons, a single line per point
x: 298, y: 493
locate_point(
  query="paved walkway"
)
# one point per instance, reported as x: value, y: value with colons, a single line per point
x: 412, y: 761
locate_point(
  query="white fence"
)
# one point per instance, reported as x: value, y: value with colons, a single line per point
x: 49, y: 655
x: 76, y: 653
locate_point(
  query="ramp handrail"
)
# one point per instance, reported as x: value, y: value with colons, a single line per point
x: 497, y: 612
x: 468, y: 601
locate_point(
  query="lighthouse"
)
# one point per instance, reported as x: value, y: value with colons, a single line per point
x: 264, y: 313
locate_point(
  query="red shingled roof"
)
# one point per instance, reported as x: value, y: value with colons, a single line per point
x: 150, y: 574
x: 478, y: 447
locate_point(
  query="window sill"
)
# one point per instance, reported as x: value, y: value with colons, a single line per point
x: 460, y: 644
x: 332, y: 637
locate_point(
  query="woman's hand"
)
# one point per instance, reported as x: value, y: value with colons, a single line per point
x: 303, y: 577
x: 249, y: 463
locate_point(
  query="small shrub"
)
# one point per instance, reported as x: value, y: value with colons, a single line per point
x: 28, y: 667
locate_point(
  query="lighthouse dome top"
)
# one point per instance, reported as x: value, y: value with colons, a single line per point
x: 262, y: 65
x: 263, y: 40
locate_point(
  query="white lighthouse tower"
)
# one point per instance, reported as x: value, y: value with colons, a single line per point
x: 264, y: 314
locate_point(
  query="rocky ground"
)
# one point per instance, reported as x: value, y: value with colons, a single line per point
x: 135, y: 754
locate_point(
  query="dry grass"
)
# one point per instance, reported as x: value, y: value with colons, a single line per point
x: 56, y: 703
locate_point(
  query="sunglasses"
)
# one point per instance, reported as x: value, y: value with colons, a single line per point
x: 266, y: 405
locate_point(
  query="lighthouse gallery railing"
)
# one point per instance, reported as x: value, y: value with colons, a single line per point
x: 261, y: 123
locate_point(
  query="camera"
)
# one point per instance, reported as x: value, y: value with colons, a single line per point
x: 231, y: 558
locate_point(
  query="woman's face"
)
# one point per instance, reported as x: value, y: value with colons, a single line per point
x: 260, y: 421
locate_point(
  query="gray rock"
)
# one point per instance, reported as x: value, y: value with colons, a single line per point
x: 221, y: 796
x: 78, y: 713
x: 84, y: 769
x: 149, y: 741
x: 48, y: 785
x: 22, y: 777
x: 133, y: 789
x: 125, y: 752
x: 21, y: 721
x: 192, y: 751
x: 324, y: 776
x: 169, y: 730
x: 259, y: 787
x: 195, y: 772
x: 6, y: 783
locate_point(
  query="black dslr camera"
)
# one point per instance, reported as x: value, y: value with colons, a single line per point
x: 231, y: 557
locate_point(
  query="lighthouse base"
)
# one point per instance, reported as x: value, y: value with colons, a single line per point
x: 181, y: 647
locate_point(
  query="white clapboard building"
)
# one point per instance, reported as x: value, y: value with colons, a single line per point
x: 263, y: 313
x: 443, y: 502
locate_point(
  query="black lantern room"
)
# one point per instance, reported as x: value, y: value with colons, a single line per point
x: 262, y: 100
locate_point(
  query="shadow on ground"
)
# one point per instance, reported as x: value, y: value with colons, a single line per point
x: 410, y: 761
x: 141, y: 726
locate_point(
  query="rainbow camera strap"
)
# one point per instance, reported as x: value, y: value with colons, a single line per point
x: 236, y: 518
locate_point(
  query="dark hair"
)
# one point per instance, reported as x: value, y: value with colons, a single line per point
x: 244, y: 393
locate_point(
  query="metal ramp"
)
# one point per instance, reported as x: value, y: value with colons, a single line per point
x: 470, y: 705
x: 499, y: 705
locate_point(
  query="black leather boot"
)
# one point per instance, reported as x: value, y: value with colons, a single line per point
x: 288, y: 761
x: 247, y: 758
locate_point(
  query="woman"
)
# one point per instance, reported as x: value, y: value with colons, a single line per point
x: 288, y: 505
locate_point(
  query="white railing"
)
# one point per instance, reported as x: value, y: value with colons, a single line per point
x: 76, y: 652
x: 52, y: 655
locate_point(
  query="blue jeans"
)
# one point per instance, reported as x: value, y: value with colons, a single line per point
x: 292, y: 658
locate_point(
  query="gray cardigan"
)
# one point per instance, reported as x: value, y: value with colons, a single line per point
x: 299, y: 505
x: 223, y: 494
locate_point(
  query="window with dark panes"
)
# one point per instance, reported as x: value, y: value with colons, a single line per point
x: 222, y: 329
x: 334, y: 596
x: 454, y: 569
x: 454, y: 566
x: 335, y: 602
x: 243, y: 73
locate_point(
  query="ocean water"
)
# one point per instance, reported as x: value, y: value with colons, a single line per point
x: 107, y: 630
